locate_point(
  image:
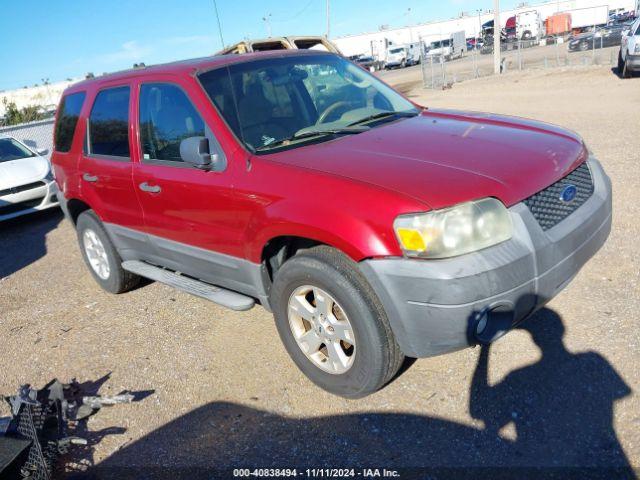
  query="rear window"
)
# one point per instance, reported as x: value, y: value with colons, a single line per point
x: 109, y: 123
x: 67, y: 120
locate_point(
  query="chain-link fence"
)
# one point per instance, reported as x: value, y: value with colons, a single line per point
x: 439, y: 71
x: 36, y: 135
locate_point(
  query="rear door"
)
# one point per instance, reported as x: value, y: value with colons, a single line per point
x: 105, y: 168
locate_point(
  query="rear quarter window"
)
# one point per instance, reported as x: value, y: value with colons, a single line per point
x: 67, y: 120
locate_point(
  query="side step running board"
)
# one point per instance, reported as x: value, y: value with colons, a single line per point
x: 226, y: 298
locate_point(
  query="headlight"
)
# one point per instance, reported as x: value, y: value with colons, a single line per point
x: 637, y: 48
x: 454, y: 231
x: 49, y: 176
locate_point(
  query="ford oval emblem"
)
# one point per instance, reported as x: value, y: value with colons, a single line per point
x: 568, y: 194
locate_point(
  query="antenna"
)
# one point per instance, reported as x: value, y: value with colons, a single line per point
x: 328, y: 19
x: 215, y: 7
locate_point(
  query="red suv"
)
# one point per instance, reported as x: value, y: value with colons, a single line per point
x: 371, y: 227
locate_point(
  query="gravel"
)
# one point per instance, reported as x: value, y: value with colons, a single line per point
x: 227, y: 395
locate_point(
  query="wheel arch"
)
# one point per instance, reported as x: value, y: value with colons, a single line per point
x: 347, y: 227
x: 73, y: 207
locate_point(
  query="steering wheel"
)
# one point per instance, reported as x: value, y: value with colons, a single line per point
x: 330, y: 109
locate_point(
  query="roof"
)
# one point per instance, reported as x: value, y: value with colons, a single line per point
x: 190, y: 66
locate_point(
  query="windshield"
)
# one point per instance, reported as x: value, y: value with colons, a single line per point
x: 269, y: 103
x: 12, y: 150
x: 397, y: 50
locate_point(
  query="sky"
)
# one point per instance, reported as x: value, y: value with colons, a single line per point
x: 59, y: 39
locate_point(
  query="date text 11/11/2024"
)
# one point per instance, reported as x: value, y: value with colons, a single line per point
x: 316, y: 472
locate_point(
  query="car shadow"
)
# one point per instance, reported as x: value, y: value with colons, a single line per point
x: 559, y: 410
x: 618, y: 73
x: 23, y: 239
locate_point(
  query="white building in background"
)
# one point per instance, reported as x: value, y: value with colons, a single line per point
x: 46, y: 97
x: 374, y: 43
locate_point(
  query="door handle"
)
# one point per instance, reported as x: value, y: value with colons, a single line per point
x: 89, y: 178
x: 145, y: 187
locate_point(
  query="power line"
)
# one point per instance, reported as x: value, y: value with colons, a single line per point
x: 300, y: 12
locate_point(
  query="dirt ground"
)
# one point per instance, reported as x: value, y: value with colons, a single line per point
x: 227, y: 395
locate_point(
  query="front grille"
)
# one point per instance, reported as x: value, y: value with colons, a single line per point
x: 547, y: 206
x: 8, y: 208
x: 21, y: 188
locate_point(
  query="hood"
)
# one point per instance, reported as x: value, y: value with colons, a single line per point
x: 20, y: 172
x: 442, y: 158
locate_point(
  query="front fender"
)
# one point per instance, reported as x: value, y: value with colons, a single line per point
x: 356, y: 237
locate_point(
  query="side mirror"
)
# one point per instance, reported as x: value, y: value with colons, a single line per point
x: 195, y: 151
x: 42, y: 151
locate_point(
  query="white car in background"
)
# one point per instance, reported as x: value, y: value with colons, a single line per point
x: 629, y: 57
x: 26, y: 180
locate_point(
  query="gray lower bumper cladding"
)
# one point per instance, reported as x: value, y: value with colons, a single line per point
x: 435, y: 306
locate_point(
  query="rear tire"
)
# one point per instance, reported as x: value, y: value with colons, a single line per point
x: 101, y: 257
x: 375, y: 355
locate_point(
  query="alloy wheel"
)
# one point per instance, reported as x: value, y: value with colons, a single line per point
x: 321, y: 329
x: 96, y: 253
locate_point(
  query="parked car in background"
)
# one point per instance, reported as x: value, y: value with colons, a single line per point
x: 529, y: 25
x: 601, y: 38
x: 453, y: 46
x: 368, y: 63
x: 622, y: 17
x: 282, y: 43
x: 403, y: 56
x: 629, y: 56
x: 474, y: 43
x: 373, y: 228
x: 26, y: 180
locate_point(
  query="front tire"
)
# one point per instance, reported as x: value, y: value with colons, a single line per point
x: 626, y: 73
x: 333, y: 325
x: 101, y: 257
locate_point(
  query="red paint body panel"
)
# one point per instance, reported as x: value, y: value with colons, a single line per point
x: 442, y: 158
x: 345, y: 193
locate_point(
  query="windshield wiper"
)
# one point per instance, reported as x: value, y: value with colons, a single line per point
x: 348, y: 130
x: 381, y: 115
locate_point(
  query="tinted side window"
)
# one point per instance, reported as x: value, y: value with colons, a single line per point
x: 67, y: 120
x: 109, y: 123
x: 166, y: 118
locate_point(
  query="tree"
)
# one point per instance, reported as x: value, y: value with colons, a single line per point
x: 14, y: 115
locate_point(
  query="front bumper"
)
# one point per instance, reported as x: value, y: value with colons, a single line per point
x: 434, y: 305
x: 28, y: 201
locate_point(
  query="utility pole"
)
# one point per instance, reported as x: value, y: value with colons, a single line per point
x: 409, y: 24
x: 215, y: 6
x: 328, y: 19
x: 496, y: 37
x: 479, y: 35
x: 267, y: 21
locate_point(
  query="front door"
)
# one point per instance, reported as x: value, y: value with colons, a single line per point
x: 189, y: 213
